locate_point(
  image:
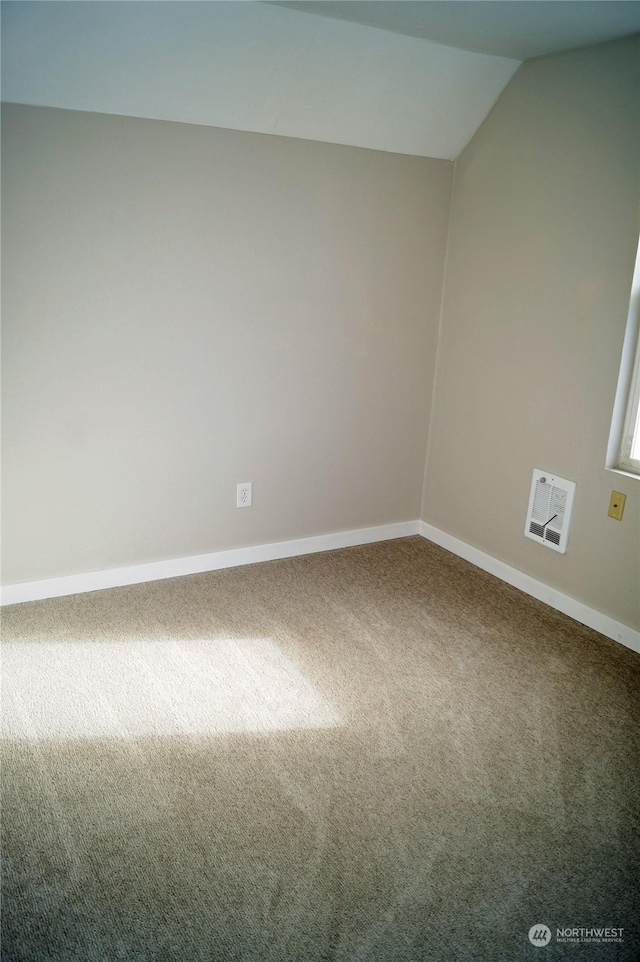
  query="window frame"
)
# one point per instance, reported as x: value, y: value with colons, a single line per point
x: 624, y: 440
x: 630, y: 444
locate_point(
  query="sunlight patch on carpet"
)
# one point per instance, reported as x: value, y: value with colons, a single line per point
x: 134, y: 688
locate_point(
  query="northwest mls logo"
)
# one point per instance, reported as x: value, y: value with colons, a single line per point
x: 539, y: 934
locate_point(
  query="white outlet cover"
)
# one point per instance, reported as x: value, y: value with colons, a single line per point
x: 244, y: 494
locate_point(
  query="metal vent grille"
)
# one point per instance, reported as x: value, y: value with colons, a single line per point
x: 549, y: 511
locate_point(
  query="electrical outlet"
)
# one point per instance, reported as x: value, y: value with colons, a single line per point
x: 243, y: 495
x: 616, y: 505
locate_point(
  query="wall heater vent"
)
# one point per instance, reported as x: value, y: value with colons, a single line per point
x: 549, y: 514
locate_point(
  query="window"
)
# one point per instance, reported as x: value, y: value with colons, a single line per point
x: 630, y: 447
x: 623, y: 453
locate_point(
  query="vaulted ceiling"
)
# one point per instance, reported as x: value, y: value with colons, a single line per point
x: 530, y: 28
x: 416, y: 78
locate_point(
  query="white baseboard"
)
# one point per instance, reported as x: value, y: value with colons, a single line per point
x: 158, y: 570
x: 537, y: 589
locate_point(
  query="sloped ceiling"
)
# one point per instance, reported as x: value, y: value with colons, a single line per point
x: 250, y: 66
x: 279, y: 68
x: 521, y: 29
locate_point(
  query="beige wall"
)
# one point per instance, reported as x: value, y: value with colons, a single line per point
x: 186, y: 308
x: 542, y: 244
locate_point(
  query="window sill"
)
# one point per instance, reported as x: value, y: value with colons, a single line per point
x: 626, y: 472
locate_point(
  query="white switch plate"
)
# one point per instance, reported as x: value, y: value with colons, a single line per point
x: 244, y: 495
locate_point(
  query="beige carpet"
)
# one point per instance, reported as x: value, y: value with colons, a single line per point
x: 380, y: 753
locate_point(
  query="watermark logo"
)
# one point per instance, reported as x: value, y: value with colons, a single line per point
x: 539, y: 934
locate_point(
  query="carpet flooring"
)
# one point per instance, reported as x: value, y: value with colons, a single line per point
x: 378, y: 754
